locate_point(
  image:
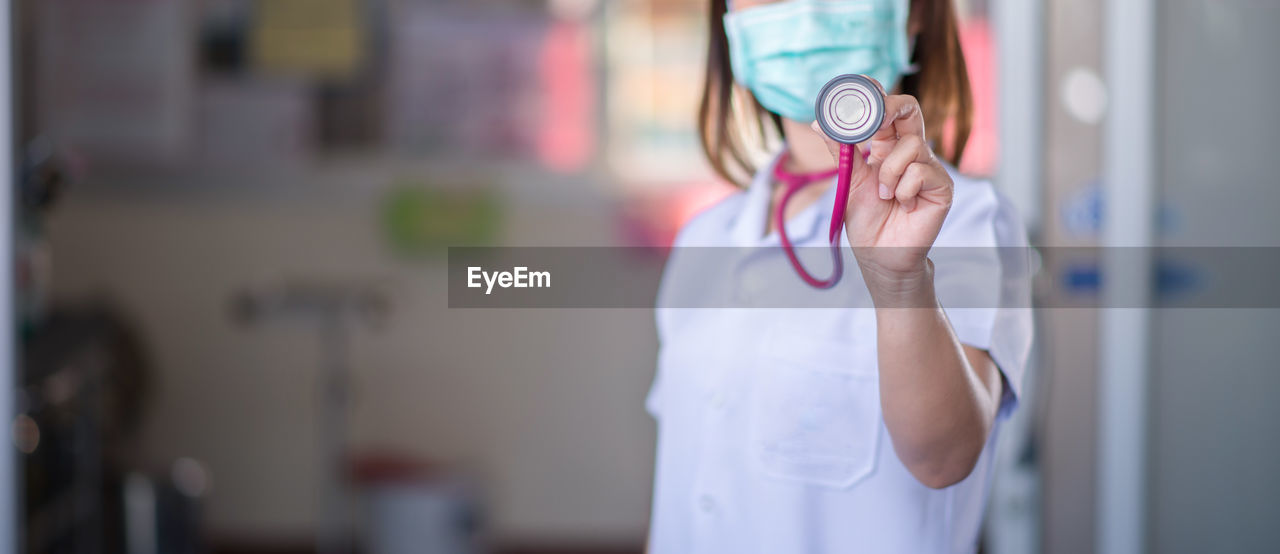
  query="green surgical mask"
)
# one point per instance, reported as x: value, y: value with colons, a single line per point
x: 785, y: 52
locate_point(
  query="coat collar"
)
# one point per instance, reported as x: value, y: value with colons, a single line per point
x: 802, y: 229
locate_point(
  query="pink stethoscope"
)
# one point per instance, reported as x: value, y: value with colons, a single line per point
x: 849, y: 109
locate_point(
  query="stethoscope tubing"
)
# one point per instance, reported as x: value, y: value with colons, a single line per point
x: 843, y: 174
x: 837, y: 261
x: 826, y: 111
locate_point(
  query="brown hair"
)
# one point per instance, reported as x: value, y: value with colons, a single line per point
x: 941, y: 85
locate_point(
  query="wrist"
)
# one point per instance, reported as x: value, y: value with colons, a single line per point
x: 900, y: 288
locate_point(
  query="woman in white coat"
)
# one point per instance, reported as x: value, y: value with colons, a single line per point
x: 840, y: 430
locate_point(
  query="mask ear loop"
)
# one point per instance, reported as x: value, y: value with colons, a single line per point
x: 794, y: 184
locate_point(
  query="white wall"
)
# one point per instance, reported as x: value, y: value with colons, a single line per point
x: 545, y: 405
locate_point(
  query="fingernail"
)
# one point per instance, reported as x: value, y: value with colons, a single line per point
x: 815, y: 127
x: 884, y: 192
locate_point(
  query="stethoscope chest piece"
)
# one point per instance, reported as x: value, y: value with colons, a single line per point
x: 850, y: 108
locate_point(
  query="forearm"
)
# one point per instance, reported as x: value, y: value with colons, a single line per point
x: 937, y: 407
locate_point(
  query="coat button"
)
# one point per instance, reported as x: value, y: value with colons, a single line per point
x: 754, y: 285
x: 706, y: 503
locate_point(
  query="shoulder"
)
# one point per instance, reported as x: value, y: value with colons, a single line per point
x: 710, y: 227
x: 682, y: 284
x: 980, y: 215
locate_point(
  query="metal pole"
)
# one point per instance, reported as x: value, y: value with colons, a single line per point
x: 1128, y: 233
x: 1020, y: 45
x: 334, y: 531
x: 1014, y: 521
x: 9, y: 485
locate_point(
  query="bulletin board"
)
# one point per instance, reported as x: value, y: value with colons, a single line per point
x: 114, y: 80
x: 655, y: 55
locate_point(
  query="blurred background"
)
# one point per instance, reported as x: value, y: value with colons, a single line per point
x: 231, y: 228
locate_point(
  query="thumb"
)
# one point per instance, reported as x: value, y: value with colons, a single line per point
x: 832, y: 146
x: 859, y: 166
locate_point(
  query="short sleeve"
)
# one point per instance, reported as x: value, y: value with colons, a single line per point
x: 654, y: 399
x: 982, y: 274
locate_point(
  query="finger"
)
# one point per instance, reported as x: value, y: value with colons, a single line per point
x: 909, y: 149
x: 913, y: 180
x: 902, y: 117
x: 877, y: 83
x: 863, y: 183
x: 877, y: 150
x: 862, y: 170
x: 859, y: 168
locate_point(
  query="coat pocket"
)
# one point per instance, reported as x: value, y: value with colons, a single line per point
x: 816, y: 411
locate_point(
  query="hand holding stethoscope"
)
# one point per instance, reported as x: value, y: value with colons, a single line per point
x: 897, y: 191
